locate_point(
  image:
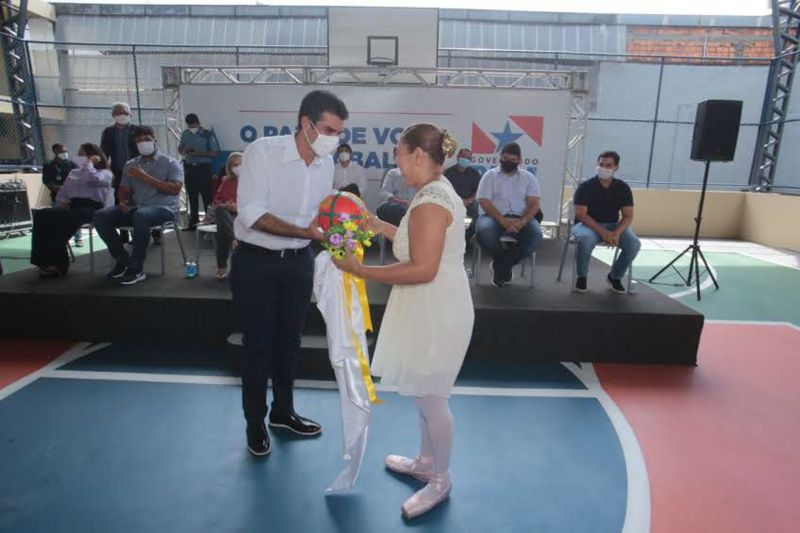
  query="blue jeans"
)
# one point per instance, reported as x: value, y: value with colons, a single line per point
x: 587, y: 239
x: 106, y: 221
x: 391, y: 212
x: 489, y: 232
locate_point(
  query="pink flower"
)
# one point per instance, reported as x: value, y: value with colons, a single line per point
x: 335, y: 239
x: 350, y: 244
x: 344, y: 216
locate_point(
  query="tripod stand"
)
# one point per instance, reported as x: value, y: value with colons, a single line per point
x: 694, y: 248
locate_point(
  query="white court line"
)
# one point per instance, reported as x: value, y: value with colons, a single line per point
x: 755, y: 323
x: 637, y: 509
x: 703, y: 286
x: 304, y: 384
x: 78, y: 350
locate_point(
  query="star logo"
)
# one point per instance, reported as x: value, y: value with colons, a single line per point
x: 504, y: 137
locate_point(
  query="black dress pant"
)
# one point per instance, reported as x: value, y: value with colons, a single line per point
x: 272, y: 294
x: 198, y: 184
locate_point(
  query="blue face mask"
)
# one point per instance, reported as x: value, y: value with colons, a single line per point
x: 463, y: 162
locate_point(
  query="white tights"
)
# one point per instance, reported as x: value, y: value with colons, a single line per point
x: 436, y: 429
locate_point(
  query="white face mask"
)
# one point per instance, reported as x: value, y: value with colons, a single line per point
x: 324, y: 144
x: 146, y: 147
x: 63, y: 156
x: 80, y: 160
x: 604, y: 173
x: 236, y: 169
x: 344, y: 157
x: 122, y: 120
x: 193, y: 130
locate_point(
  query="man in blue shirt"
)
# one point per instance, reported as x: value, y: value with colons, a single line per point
x: 148, y: 196
x: 199, y: 147
x: 508, y: 227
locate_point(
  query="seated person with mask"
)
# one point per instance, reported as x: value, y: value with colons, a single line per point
x: 348, y: 175
x: 396, y: 196
x: 149, y: 193
x: 509, y: 200
x: 598, y: 203
x: 465, y: 180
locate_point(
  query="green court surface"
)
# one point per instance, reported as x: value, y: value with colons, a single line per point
x: 750, y: 289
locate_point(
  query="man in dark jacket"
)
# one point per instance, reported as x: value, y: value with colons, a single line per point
x: 119, y: 147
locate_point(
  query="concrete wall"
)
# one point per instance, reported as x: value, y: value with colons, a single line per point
x: 771, y: 219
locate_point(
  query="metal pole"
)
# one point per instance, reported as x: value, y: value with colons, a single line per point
x: 655, y: 122
x: 136, y: 81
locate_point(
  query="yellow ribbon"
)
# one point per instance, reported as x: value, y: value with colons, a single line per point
x: 361, y: 289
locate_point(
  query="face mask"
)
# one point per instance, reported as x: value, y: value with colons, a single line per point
x: 604, y: 173
x: 80, y: 160
x: 464, y: 162
x: 324, y: 145
x: 63, y: 156
x: 146, y: 147
x: 236, y: 170
x: 122, y: 120
x: 508, y: 167
x: 344, y: 157
x: 193, y: 130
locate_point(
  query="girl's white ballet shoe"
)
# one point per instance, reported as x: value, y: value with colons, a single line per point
x: 431, y: 495
x: 420, y: 468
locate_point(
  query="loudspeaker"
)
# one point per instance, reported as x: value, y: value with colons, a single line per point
x: 716, y: 129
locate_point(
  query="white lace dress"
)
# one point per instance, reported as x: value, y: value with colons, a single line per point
x: 426, y: 329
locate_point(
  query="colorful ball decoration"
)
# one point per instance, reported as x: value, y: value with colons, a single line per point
x: 338, y: 205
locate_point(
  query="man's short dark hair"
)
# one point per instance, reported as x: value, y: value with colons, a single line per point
x: 191, y: 118
x: 316, y: 103
x: 512, y: 149
x: 139, y: 131
x: 612, y: 154
x: 58, y: 147
x: 463, y: 150
x: 344, y: 147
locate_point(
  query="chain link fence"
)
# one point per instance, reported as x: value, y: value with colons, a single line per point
x: 640, y: 106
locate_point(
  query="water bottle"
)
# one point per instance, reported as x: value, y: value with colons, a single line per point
x: 191, y: 269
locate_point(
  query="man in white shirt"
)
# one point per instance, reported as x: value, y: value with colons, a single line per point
x: 508, y: 226
x: 281, y: 183
x: 349, y: 176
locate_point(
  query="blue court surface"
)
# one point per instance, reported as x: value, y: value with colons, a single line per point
x: 93, y: 447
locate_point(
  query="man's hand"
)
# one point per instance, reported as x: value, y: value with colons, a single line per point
x: 511, y: 225
x: 615, y: 238
x: 136, y: 172
x: 314, y: 233
x: 608, y: 237
x: 124, y: 207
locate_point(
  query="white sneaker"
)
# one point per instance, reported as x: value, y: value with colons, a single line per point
x: 431, y: 495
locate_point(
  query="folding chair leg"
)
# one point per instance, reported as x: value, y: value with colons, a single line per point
x: 533, y: 270
x: 71, y: 252
x: 180, y: 241
x: 563, y: 258
x: 163, y: 252
x: 91, y: 249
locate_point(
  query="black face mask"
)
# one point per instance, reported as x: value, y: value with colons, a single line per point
x: 508, y: 167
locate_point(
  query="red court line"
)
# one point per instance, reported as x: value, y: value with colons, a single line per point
x: 18, y: 358
x: 719, y: 440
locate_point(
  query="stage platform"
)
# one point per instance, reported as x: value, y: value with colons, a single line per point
x: 546, y: 323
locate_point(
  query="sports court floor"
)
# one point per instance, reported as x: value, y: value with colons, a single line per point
x: 140, y: 438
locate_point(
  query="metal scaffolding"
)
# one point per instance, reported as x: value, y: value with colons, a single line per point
x: 13, y: 23
x: 786, y: 35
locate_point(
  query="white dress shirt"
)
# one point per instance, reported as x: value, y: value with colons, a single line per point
x: 274, y: 179
x: 352, y: 173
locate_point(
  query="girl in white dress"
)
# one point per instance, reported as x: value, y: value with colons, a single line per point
x: 427, y: 325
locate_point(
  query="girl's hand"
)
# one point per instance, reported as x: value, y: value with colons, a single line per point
x: 348, y: 264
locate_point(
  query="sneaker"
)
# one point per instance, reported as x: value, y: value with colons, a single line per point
x: 258, y: 442
x: 580, y: 285
x: 296, y: 424
x: 132, y: 277
x: 78, y: 244
x: 497, y: 281
x: 156, y: 239
x: 118, y: 271
x: 615, y: 285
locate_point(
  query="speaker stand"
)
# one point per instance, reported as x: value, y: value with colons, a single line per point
x: 693, y: 249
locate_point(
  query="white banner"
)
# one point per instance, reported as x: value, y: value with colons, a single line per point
x: 481, y: 119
